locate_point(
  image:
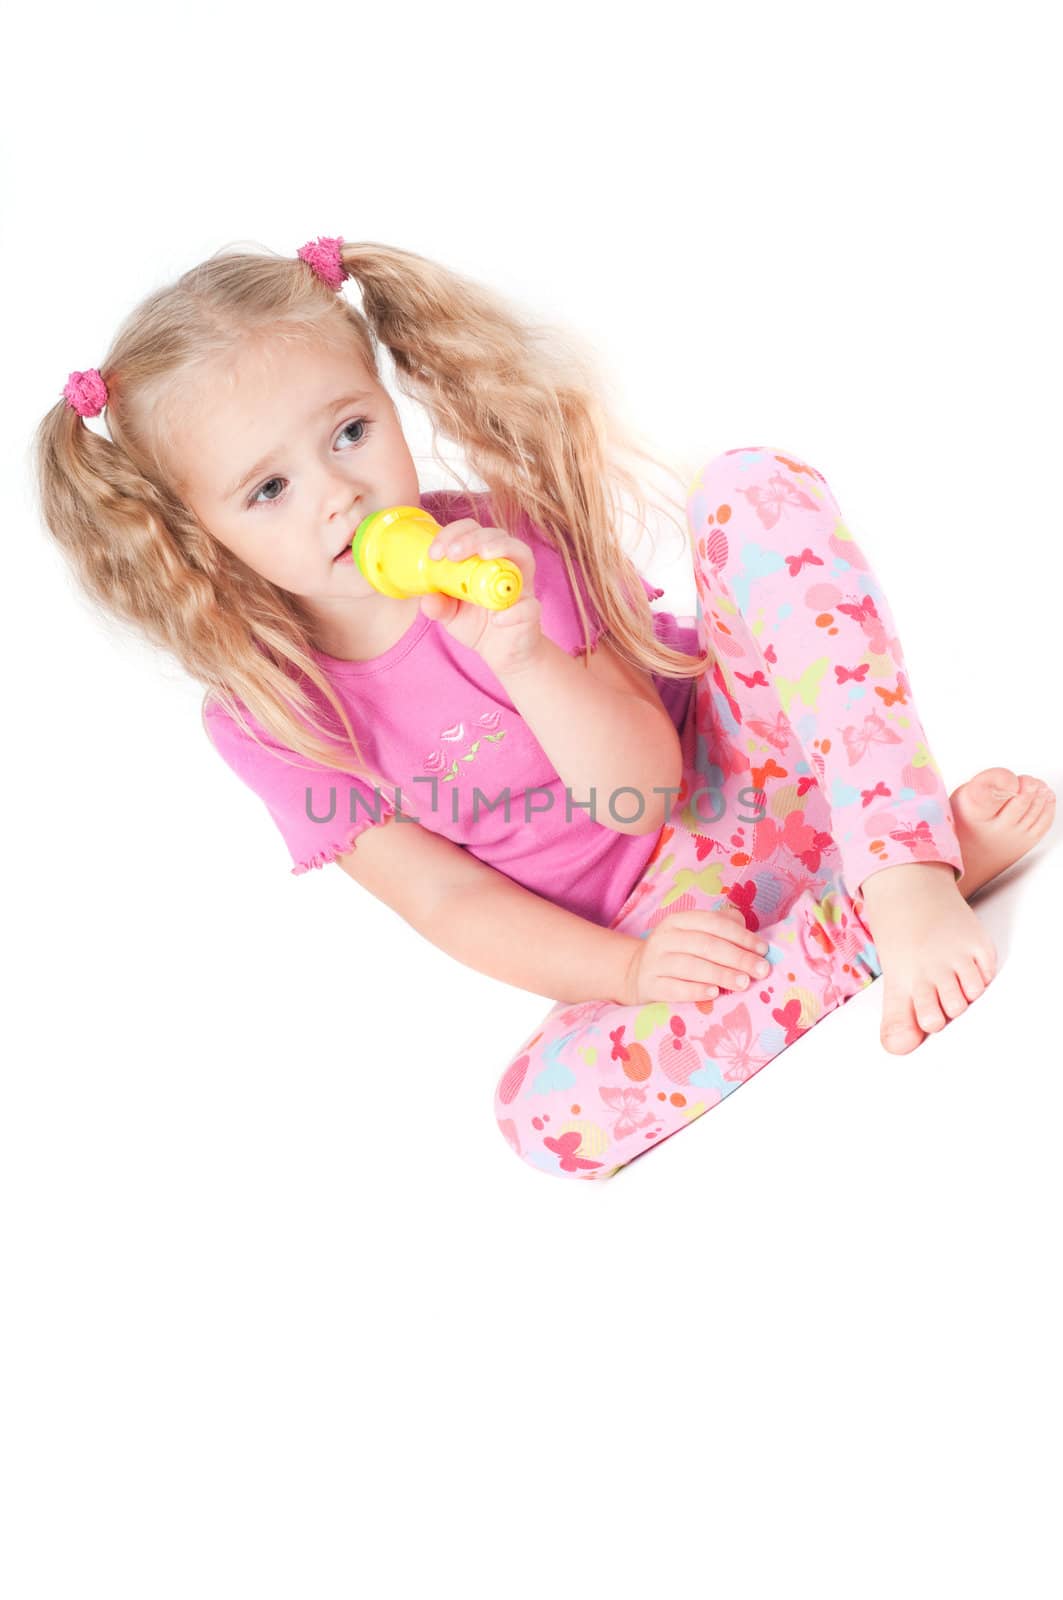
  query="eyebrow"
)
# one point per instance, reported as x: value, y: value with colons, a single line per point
x: 261, y: 465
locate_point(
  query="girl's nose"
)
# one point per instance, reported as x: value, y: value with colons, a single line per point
x: 339, y: 493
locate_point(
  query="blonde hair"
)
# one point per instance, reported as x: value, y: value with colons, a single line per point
x: 519, y: 398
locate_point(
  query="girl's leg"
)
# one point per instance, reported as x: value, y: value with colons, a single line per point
x: 802, y: 776
x: 816, y: 642
x: 598, y: 1083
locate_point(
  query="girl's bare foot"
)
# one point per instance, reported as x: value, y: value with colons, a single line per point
x: 936, y: 956
x: 998, y: 817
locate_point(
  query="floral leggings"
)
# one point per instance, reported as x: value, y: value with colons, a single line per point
x: 805, y: 769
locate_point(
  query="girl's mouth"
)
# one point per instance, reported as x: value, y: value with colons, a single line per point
x: 346, y: 554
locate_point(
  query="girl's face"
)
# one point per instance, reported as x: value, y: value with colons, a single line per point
x: 282, y: 463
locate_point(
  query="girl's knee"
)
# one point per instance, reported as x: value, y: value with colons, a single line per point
x: 549, y: 1105
x: 559, y: 1156
x: 776, y: 493
x: 715, y: 483
x: 733, y: 467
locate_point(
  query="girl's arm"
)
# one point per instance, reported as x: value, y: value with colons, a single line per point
x: 485, y: 920
x: 603, y: 728
x: 509, y: 932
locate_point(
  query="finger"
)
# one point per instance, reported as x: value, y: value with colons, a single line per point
x: 732, y: 978
x: 728, y: 961
x: 748, y: 954
x: 691, y: 991
x: 739, y: 934
x: 734, y: 982
x: 463, y: 547
x: 726, y: 979
x: 720, y: 925
x: 498, y: 547
x: 732, y: 912
x: 443, y: 543
x: 683, y: 989
x: 459, y: 525
x: 695, y: 968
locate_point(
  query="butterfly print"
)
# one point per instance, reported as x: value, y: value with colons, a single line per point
x: 896, y: 696
x: 867, y: 795
x: 770, y: 500
x: 873, y: 730
x: 863, y: 612
x: 729, y: 1043
x: 777, y: 733
x: 914, y: 838
x: 806, y: 559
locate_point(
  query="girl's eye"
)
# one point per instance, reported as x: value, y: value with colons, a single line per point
x: 359, y: 422
x: 254, y: 502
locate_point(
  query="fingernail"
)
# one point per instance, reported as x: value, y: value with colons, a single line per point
x: 763, y: 969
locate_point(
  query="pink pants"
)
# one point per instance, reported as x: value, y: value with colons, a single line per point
x: 803, y: 742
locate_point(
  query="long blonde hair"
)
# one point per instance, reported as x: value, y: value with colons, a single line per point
x: 520, y: 398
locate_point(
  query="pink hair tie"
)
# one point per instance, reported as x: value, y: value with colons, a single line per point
x: 323, y: 255
x: 86, y: 392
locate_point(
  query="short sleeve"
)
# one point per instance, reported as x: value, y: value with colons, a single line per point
x: 560, y: 614
x: 320, y: 813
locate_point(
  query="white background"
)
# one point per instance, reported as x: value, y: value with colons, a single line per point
x: 282, y: 1314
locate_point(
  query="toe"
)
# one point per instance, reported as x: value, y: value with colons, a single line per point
x: 985, y: 793
x: 1013, y: 812
x: 928, y: 1012
x: 1039, y: 819
x: 970, y: 979
x: 951, y: 997
x: 1000, y: 781
x: 1033, y: 789
x: 984, y: 957
x: 900, y: 1032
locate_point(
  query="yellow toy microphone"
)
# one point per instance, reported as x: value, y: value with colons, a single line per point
x: 390, y: 548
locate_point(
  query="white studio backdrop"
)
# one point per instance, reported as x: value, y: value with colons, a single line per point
x: 283, y: 1315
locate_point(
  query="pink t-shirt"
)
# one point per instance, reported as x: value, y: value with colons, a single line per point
x: 431, y: 716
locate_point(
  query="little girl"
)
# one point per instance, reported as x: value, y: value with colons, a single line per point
x: 699, y: 835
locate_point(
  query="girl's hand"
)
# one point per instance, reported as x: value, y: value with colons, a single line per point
x: 691, y: 955
x: 506, y: 639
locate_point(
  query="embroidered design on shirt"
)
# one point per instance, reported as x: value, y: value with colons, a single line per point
x: 438, y: 759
